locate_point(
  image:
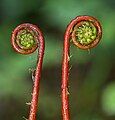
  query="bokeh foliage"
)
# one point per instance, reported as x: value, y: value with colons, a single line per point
x: 92, y: 85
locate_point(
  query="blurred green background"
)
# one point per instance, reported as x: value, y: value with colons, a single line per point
x: 92, y: 76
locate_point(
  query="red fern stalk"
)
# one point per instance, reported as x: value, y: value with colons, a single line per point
x: 25, y: 40
x: 86, y: 33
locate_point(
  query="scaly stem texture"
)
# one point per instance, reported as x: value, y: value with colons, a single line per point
x: 25, y: 40
x: 85, y: 32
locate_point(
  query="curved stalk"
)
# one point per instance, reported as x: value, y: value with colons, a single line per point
x: 26, y: 38
x: 85, y: 32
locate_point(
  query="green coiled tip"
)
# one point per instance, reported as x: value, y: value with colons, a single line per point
x: 86, y: 32
x: 25, y: 39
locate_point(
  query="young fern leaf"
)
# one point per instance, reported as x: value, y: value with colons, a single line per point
x: 85, y: 32
x: 25, y: 39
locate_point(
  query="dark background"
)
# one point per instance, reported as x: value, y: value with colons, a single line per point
x: 92, y: 76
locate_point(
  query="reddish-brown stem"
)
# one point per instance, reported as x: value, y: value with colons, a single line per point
x: 39, y: 40
x: 71, y: 33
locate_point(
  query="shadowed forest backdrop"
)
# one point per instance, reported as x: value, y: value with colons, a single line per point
x: 92, y: 75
